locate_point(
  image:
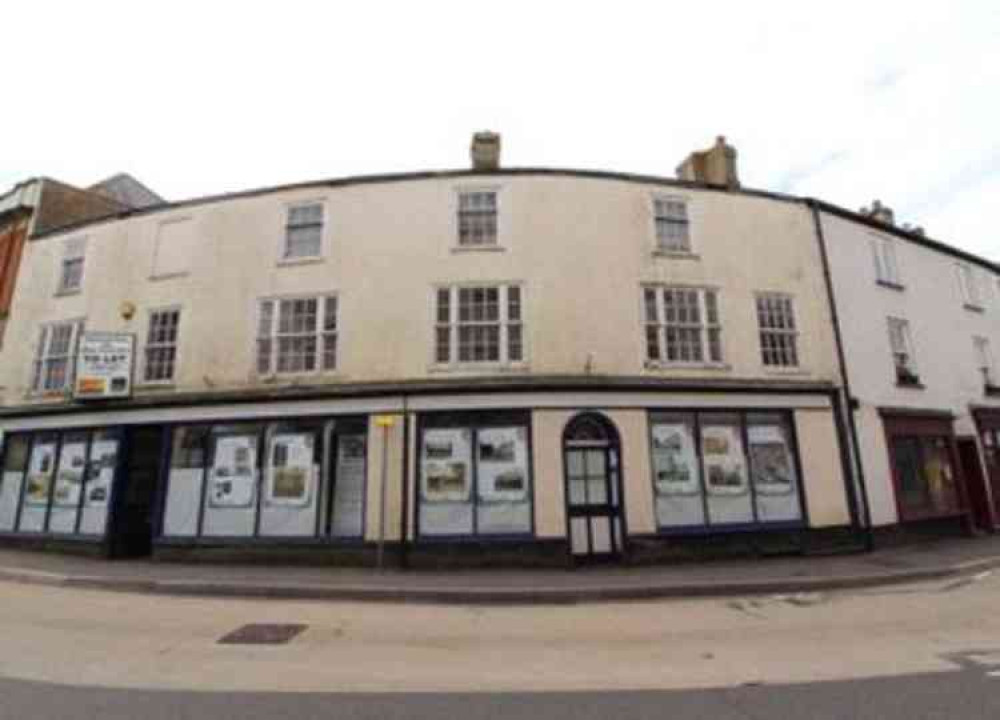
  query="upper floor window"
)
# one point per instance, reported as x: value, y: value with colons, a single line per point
x: 296, y: 335
x: 55, y: 356
x: 682, y: 325
x: 968, y: 286
x: 902, y: 352
x: 480, y: 324
x: 778, y: 332
x: 673, y: 228
x: 477, y: 218
x: 984, y: 361
x: 161, y: 345
x: 884, y: 256
x: 71, y: 270
x: 304, y: 232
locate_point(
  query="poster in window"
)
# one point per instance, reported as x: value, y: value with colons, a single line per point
x: 40, y: 470
x: 675, y: 465
x: 233, y: 475
x: 70, y: 478
x: 725, y: 473
x: 101, y: 472
x: 446, y: 472
x: 503, y: 465
x: 291, y: 470
x: 770, y: 461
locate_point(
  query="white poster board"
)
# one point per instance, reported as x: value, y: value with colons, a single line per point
x: 503, y: 465
x: 675, y: 464
x: 770, y: 461
x: 104, y: 366
x: 446, y: 473
x: 291, y: 470
x: 232, y: 479
x: 101, y: 472
x: 725, y: 467
x: 70, y: 477
x: 40, y: 469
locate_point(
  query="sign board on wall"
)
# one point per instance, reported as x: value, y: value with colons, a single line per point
x: 104, y: 365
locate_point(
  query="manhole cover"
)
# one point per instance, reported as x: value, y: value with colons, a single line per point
x: 262, y: 634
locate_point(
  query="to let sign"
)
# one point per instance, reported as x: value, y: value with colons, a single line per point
x: 104, y: 365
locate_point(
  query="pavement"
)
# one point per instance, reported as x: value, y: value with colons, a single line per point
x: 932, y: 560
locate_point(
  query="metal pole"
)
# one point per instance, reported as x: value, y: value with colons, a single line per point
x: 380, y: 559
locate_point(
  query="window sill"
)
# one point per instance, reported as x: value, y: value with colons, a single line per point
x: 888, y: 284
x: 654, y: 365
x: 152, y: 386
x: 786, y: 371
x: 973, y: 308
x: 676, y: 254
x: 479, y: 368
x: 68, y: 293
x: 295, y: 378
x: 910, y: 384
x: 290, y: 262
x: 458, y: 249
x: 168, y: 276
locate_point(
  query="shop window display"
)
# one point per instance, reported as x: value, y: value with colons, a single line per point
x: 475, y: 480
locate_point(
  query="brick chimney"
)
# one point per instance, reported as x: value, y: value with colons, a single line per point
x: 485, y: 150
x: 880, y: 212
x: 715, y: 166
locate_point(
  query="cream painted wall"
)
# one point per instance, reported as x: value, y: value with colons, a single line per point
x: 550, y: 487
x: 941, y: 329
x: 826, y: 495
x: 394, y: 478
x: 581, y: 247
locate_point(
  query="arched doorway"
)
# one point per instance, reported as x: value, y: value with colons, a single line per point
x: 592, y: 462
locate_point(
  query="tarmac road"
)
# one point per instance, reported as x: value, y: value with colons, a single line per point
x: 930, y: 650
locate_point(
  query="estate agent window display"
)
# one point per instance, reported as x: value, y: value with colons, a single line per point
x: 474, y: 476
x: 724, y: 470
x: 285, y: 479
x: 58, y: 483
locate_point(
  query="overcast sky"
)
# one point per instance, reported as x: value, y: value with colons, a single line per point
x: 847, y: 102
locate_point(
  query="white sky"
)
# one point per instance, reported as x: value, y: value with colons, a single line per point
x: 844, y: 101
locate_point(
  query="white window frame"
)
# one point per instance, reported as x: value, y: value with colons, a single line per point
x: 504, y: 321
x: 789, y: 332
x: 456, y: 210
x: 42, y: 356
x: 658, y: 246
x: 147, y: 345
x: 287, y: 208
x: 660, y: 324
x: 910, y: 365
x: 320, y: 333
x: 74, y: 250
x: 968, y: 286
x: 886, y: 261
x: 984, y: 360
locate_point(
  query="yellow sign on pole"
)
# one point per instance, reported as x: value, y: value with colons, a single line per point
x: 385, y: 421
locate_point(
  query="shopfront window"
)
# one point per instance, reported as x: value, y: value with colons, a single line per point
x: 284, y: 479
x: 58, y: 482
x: 925, y: 476
x: 475, y: 477
x: 723, y: 469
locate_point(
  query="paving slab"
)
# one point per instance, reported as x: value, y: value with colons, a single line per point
x: 926, y: 561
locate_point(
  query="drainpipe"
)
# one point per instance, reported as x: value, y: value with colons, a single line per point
x: 855, y: 449
x: 405, y: 504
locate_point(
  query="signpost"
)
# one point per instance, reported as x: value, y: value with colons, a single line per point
x: 104, y: 366
x: 385, y: 422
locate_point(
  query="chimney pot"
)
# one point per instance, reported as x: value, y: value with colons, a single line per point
x: 485, y: 150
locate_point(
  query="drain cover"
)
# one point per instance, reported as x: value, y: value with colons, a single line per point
x: 262, y: 634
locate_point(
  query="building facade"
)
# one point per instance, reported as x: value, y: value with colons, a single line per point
x: 919, y: 322
x: 502, y: 364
